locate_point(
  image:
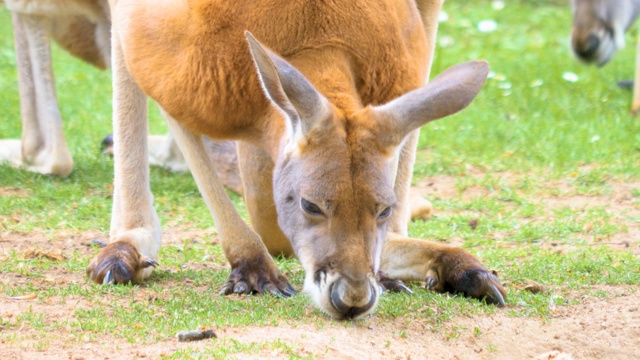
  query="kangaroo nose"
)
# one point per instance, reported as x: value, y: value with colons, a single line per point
x: 353, y: 298
x: 587, y: 49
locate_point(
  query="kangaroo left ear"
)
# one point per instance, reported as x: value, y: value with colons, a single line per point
x: 448, y: 93
x: 288, y: 89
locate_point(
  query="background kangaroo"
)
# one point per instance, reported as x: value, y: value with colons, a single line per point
x: 598, y: 32
x: 327, y: 132
x: 83, y: 28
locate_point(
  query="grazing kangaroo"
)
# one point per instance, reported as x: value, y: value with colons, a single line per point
x: 326, y: 114
x: 598, y: 32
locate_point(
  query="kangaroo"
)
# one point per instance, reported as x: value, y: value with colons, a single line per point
x: 82, y: 27
x: 598, y: 32
x: 325, y: 99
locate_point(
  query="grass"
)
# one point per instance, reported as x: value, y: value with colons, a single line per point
x: 529, y: 137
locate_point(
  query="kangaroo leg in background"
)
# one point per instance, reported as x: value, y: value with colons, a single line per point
x: 165, y: 153
x: 410, y: 205
x: 43, y: 148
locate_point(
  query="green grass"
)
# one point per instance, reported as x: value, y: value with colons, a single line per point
x: 526, y: 133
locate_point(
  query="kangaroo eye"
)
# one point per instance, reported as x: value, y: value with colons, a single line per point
x: 385, y: 213
x: 310, y: 207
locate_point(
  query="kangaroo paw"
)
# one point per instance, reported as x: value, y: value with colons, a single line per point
x: 257, y: 277
x: 459, y: 271
x: 120, y: 263
x: 393, y: 285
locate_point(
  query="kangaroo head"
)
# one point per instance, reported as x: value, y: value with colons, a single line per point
x: 599, y: 27
x: 333, y: 179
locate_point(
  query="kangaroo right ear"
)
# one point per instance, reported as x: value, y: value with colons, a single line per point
x: 448, y: 93
x: 288, y: 89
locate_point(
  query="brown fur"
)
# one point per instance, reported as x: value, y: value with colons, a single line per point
x: 326, y: 118
x: 193, y: 73
x: 77, y: 36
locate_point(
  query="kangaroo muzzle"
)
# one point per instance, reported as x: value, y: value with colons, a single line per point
x: 353, y: 298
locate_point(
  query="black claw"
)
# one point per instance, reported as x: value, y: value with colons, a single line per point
x: 289, y: 291
x: 108, y: 278
x: 226, y: 290
x: 275, y: 292
x: 431, y: 282
x: 394, y: 285
x: 98, y: 242
x: 390, y: 284
x: 495, y: 296
x: 241, y: 288
x: 149, y: 262
x: 405, y: 288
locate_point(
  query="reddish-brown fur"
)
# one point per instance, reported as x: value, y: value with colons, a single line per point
x: 209, y: 64
x: 323, y: 166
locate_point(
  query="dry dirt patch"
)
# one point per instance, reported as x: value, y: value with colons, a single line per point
x: 596, y: 329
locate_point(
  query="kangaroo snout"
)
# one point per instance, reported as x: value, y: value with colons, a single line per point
x: 353, y: 298
x: 587, y: 48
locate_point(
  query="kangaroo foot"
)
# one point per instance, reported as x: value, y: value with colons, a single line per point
x: 456, y: 270
x: 120, y: 263
x: 393, y: 285
x: 257, y: 277
x: 45, y: 160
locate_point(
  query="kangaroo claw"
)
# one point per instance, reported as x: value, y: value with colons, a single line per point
x: 430, y: 283
x: 108, y: 278
x: 253, y: 278
x: 119, y: 263
x: 393, y: 285
x: 494, y: 296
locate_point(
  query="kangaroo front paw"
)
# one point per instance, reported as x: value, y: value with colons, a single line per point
x: 456, y: 270
x: 120, y: 263
x: 257, y: 277
x: 393, y: 285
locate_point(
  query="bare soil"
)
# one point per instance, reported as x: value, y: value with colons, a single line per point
x: 596, y: 328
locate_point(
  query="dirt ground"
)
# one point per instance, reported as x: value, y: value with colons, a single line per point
x: 596, y: 328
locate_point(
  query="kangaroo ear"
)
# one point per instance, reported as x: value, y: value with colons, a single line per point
x: 448, y: 93
x: 287, y: 88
